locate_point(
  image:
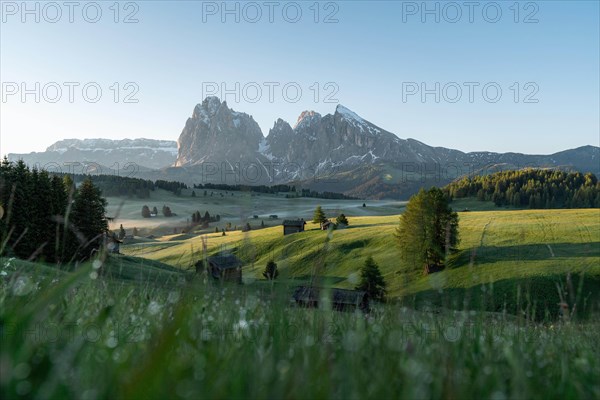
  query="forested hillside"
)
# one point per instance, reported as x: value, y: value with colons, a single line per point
x: 532, y: 188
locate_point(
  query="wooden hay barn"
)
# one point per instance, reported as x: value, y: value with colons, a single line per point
x: 293, y: 226
x: 325, y: 225
x: 341, y: 299
x: 430, y: 269
x: 226, y: 267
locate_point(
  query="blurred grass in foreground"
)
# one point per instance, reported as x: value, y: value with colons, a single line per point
x: 98, y: 333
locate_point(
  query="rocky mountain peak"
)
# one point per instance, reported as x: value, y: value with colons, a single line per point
x: 209, y: 108
x: 307, y: 118
x: 217, y: 133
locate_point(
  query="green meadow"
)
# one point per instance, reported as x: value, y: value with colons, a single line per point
x: 514, y: 315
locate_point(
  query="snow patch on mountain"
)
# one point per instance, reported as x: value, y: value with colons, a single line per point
x: 356, y: 120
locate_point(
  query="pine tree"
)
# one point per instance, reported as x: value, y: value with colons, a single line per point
x: 122, y: 232
x: 262, y: 224
x: 319, y: 216
x: 271, y: 272
x: 428, y: 229
x: 342, y: 220
x: 41, y: 213
x: 193, y: 193
x: 89, y: 219
x: 58, y: 207
x: 18, y: 215
x: 371, y: 280
x: 145, y: 212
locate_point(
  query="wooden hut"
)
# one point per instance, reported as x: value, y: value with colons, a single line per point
x: 293, y: 226
x: 341, y: 299
x: 225, y: 267
x: 326, y: 225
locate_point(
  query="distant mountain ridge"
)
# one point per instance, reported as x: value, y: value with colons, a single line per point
x: 145, y: 153
x: 339, y: 152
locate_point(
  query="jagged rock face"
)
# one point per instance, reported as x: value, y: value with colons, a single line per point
x: 339, y: 141
x: 216, y: 133
x: 342, y: 145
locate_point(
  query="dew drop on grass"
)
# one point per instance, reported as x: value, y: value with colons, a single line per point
x: 23, y: 388
x: 21, y: 371
x: 22, y: 286
x: 498, y: 396
x: 283, y: 367
x: 93, y: 275
x: 90, y: 394
x: 111, y: 342
x: 97, y: 264
x: 309, y: 341
x: 352, y: 341
x: 154, y: 307
x: 173, y: 297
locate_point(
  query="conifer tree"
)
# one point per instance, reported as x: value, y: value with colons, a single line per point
x: 271, y: 272
x: 371, y: 280
x: 319, y: 216
x: 89, y: 219
x: 341, y: 220
x: 428, y: 229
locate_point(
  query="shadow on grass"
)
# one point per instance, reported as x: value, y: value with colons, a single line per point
x: 536, y: 297
x: 525, y: 252
x: 128, y: 268
x: 329, y: 280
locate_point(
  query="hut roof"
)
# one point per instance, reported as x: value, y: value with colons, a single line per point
x: 294, y: 222
x: 225, y: 261
x: 339, y: 296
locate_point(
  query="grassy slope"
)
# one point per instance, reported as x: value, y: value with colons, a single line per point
x: 495, y: 246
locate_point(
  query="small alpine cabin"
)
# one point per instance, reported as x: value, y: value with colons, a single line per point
x: 226, y: 267
x: 293, y: 226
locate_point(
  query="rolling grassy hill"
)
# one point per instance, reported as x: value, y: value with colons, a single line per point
x: 535, y: 249
x: 143, y: 329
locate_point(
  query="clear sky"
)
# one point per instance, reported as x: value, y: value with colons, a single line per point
x: 373, y: 57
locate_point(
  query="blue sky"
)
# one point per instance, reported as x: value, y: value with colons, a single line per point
x: 371, y: 56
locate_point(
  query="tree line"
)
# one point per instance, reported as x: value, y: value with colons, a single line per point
x: 46, y: 217
x: 170, y: 186
x: 121, y: 186
x: 531, y: 188
x: 274, y: 189
x: 204, y: 220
